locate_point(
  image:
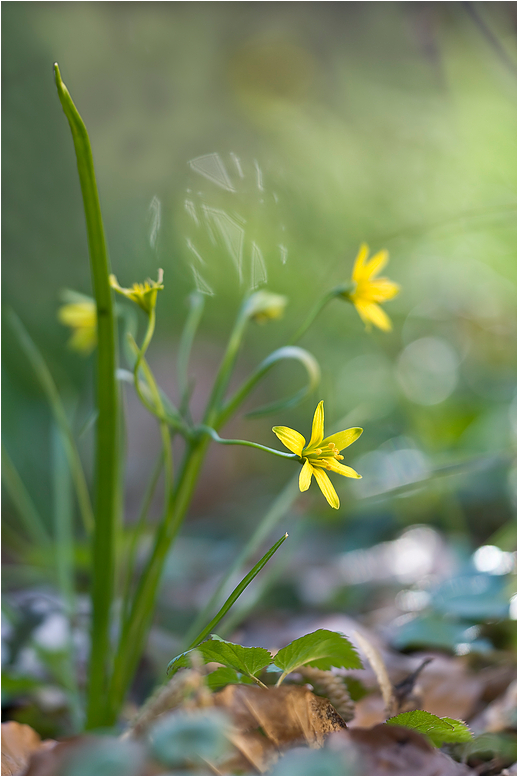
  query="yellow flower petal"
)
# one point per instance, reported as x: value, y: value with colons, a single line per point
x: 372, y: 313
x: 382, y: 289
x: 341, y: 469
x: 359, y: 262
x: 376, y: 264
x: 305, y: 476
x: 293, y: 440
x: 343, y: 439
x: 317, y: 431
x: 326, y: 487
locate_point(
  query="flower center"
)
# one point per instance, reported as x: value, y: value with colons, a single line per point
x: 319, y: 456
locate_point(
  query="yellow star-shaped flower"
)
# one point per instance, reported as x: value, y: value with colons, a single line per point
x: 370, y: 290
x: 321, y: 454
x: 80, y: 314
x: 144, y: 294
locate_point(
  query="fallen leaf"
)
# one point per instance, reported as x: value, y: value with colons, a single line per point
x: 500, y: 714
x: 18, y: 743
x: 267, y: 720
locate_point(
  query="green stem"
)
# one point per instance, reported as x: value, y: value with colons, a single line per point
x: 137, y: 533
x: 319, y: 305
x: 158, y: 408
x: 225, y: 369
x: 135, y: 627
x: 106, y: 453
x: 196, y: 306
x: 215, y: 436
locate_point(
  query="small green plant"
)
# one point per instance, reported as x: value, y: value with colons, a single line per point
x: 113, y: 659
x: 322, y: 649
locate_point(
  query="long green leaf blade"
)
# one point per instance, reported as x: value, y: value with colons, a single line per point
x: 238, y: 590
x: 107, y: 501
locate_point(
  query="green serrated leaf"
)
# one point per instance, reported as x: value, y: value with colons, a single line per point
x: 221, y: 677
x: 246, y: 660
x: 321, y: 649
x: 226, y: 676
x: 438, y: 730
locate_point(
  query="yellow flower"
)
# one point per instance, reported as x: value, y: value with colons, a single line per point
x: 369, y: 290
x: 144, y: 294
x: 80, y: 314
x: 320, y: 454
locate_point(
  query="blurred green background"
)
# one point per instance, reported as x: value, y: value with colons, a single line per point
x: 240, y: 145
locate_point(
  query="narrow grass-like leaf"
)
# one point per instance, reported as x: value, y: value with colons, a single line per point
x: 238, y: 590
x: 64, y: 561
x: 58, y: 410
x: 321, y: 649
x: 246, y: 660
x: 21, y: 499
x: 107, y: 481
x: 438, y: 730
x: 280, y: 506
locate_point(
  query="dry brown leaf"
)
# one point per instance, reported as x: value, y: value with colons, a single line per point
x: 446, y: 687
x: 499, y: 715
x: 18, y: 743
x: 394, y: 750
x: 449, y: 688
x: 284, y: 715
x: 368, y: 711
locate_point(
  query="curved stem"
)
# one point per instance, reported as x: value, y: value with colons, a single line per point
x: 287, y: 352
x: 215, y: 436
x: 317, y: 308
x: 165, y: 433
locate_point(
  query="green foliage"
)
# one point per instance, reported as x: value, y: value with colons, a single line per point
x: 321, y: 649
x: 225, y: 676
x: 438, y: 730
x: 248, y: 661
